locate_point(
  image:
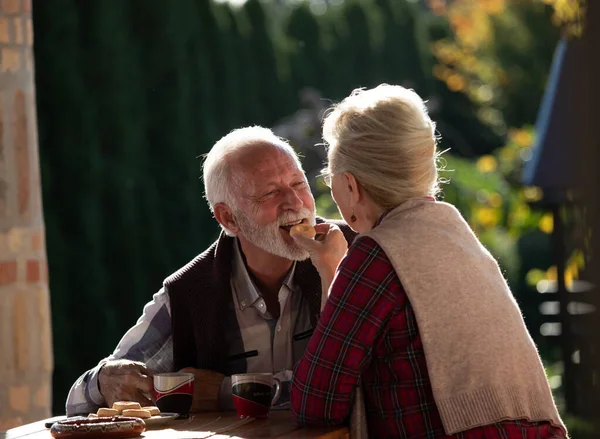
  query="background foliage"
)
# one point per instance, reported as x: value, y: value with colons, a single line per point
x: 131, y: 93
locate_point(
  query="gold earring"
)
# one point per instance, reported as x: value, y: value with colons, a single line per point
x: 353, y: 217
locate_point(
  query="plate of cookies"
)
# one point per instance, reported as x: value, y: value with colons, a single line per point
x: 150, y: 415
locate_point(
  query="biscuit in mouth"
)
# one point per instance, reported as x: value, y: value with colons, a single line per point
x: 303, y: 229
x: 288, y: 227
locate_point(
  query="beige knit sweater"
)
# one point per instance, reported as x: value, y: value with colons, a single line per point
x: 483, y: 365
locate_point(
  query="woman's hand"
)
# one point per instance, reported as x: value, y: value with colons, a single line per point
x: 326, y: 251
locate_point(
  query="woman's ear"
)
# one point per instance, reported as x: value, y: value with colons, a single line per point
x: 354, y: 189
x: 225, y: 217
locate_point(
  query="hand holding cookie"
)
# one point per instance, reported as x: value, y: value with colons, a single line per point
x: 326, y: 252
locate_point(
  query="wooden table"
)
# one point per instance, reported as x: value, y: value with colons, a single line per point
x: 224, y: 425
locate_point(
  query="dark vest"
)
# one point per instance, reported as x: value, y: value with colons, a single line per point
x: 201, y: 304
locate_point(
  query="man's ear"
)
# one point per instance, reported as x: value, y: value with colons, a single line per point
x: 225, y: 217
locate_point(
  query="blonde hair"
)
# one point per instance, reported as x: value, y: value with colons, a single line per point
x: 385, y: 138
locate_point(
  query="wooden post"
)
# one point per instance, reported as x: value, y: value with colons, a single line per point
x: 26, y: 360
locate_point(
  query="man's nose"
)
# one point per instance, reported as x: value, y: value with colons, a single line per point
x: 293, y: 200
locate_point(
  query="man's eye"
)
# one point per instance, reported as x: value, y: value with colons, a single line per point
x: 300, y: 184
x: 273, y: 192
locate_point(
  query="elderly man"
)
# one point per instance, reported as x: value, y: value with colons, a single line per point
x: 248, y: 303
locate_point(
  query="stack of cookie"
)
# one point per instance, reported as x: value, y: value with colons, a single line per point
x: 127, y: 408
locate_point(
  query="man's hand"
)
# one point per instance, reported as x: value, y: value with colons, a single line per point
x: 125, y: 380
x: 206, y: 389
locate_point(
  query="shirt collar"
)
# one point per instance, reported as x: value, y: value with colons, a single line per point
x: 247, y: 293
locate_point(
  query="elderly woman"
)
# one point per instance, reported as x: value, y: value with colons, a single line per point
x: 418, y: 312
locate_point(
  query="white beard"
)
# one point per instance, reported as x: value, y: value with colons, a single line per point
x: 269, y: 238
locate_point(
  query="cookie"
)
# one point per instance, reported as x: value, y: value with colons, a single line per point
x: 126, y: 405
x: 303, y: 229
x: 102, y: 412
x: 137, y: 413
x: 154, y: 411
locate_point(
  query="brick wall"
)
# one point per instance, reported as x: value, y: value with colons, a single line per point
x: 26, y: 360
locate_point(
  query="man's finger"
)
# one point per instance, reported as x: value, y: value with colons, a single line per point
x: 141, y: 368
x: 146, y: 384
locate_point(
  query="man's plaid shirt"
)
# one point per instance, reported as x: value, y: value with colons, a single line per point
x: 368, y: 333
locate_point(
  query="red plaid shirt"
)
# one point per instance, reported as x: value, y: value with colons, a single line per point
x: 368, y: 333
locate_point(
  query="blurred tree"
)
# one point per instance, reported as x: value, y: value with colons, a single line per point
x: 498, y: 55
x: 568, y: 14
x: 262, y: 55
x: 213, y: 57
x: 249, y: 71
x: 407, y: 60
x: 362, y: 42
x: 458, y: 117
x: 307, y: 58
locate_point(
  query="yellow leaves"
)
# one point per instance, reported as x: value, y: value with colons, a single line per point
x: 455, y: 82
x: 574, y: 264
x: 486, y: 163
x: 483, y: 93
x: 438, y: 7
x: 488, y: 213
x: 547, y: 223
x: 441, y: 72
x: 508, y: 154
x: 471, y: 24
x: 468, y: 14
x: 534, y: 276
x: 486, y: 216
x: 522, y: 137
x: 471, y: 20
x: 519, y: 215
x: 571, y: 273
x: 568, y: 14
x: 495, y: 200
x: 532, y: 194
x: 451, y: 54
x: 492, y: 6
x: 577, y: 259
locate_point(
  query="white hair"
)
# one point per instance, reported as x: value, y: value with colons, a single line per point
x: 385, y: 138
x: 216, y: 167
